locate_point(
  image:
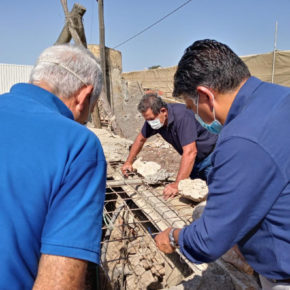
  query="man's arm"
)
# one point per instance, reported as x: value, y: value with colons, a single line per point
x: 185, y: 168
x: 135, y: 149
x: 56, y: 272
x: 240, y: 196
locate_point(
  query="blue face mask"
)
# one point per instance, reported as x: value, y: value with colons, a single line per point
x: 214, y: 127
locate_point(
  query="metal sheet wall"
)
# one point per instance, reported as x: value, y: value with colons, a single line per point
x: 11, y: 74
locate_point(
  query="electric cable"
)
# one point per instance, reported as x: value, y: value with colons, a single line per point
x: 153, y: 24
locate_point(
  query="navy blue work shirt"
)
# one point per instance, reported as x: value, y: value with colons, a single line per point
x: 182, y: 129
x: 52, y: 185
x: 249, y: 185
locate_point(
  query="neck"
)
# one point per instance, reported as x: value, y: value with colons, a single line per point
x: 67, y: 101
x: 225, y: 102
x: 44, y: 86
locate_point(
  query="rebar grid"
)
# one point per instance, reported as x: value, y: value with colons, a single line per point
x: 130, y: 242
x: 151, y: 194
x: 146, y: 201
x: 128, y: 235
x: 133, y: 215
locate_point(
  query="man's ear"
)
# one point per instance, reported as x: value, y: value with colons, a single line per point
x: 83, y: 96
x: 205, y: 94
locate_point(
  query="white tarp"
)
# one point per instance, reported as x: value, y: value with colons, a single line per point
x: 260, y: 65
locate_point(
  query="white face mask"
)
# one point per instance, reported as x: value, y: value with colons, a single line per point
x: 155, y: 124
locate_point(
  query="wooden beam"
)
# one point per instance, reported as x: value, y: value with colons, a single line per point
x: 103, y: 48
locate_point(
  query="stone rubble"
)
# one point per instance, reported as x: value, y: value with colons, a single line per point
x: 157, y: 141
x: 195, y: 190
x: 115, y: 148
x: 143, y: 266
x: 151, y: 171
x: 210, y: 279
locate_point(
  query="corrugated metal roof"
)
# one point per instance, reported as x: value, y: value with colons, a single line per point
x: 11, y: 74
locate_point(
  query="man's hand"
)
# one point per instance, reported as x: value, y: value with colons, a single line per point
x: 135, y: 149
x: 170, y: 190
x: 162, y: 242
x: 126, y: 168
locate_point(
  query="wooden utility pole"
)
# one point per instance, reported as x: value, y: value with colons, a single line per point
x: 103, y: 47
x: 106, y: 100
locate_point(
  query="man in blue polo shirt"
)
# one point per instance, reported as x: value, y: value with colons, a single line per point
x: 52, y: 174
x: 177, y: 125
x: 249, y: 186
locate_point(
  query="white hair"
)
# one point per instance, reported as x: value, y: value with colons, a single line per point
x: 66, y: 68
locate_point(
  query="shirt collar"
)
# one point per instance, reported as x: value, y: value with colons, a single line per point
x: 43, y: 97
x: 242, y: 98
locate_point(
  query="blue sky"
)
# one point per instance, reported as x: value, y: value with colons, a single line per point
x: 248, y: 26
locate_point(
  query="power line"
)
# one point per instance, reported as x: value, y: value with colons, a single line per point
x: 148, y: 27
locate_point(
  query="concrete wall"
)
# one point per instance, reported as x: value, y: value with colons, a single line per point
x: 160, y: 79
x: 125, y: 96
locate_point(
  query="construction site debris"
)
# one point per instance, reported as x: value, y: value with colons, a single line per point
x: 234, y: 257
x: 129, y: 255
x: 198, y: 210
x: 151, y: 171
x: 195, y: 190
x: 158, y: 142
x: 115, y: 148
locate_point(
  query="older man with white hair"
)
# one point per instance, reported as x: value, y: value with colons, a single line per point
x: 52, y: 174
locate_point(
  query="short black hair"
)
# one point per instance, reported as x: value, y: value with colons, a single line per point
x: 151, y: 101
x: 209, y: 63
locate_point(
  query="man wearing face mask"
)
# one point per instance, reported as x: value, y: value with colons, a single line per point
x: 249, y: 185
x: 178, y: 126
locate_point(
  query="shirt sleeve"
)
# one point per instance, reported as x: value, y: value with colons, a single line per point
x: 243, y: 185
x: 74, y: 220
x: 147, y: 131
x: 186, y: 130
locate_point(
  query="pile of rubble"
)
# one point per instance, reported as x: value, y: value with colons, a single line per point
x: 115, y: 148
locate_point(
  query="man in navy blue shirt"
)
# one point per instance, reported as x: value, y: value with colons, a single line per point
x: 249, y: 186
x: 177, y: 125
x: 52, y: 174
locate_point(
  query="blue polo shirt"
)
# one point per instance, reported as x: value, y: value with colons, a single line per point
x: 182, y: 129
x: 249, y: 185
x: 52, y: 185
